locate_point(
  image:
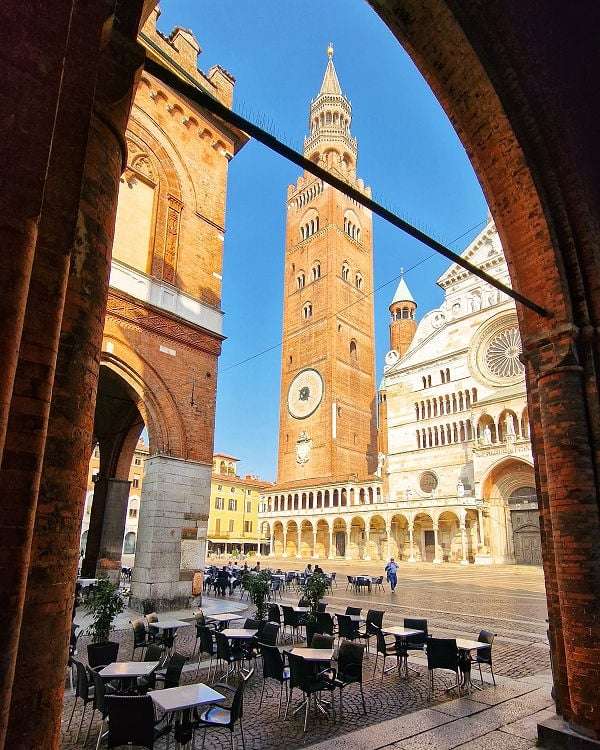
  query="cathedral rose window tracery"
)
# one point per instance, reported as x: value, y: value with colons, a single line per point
x: 502, y: 356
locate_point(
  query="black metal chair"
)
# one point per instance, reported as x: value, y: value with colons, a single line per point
x: 222, y: 717
x: 385, y: 649
x: 130, y: 721
x: 84, y: 691
x: 349, y: 671
x: 228, y: 655
x: 302, y: 677
x: 101, y: 690
x: 154, y: 652
x: 484, y: 655
x: 351, y: 582
x: 325, y: 623
x: 442, y: 653
x: 199, y: 622
x: 346, y: 628
x: 354, y: 611
x: 208, y: 647
x: 374, y: 617
x: 414, y: 642
x: 172, y: 674
x: 291, y: 619
x: 141, y: 639
x: 274, y: 668
x: 269, y: 633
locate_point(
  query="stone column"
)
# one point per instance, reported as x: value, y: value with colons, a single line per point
x: 367, y: 556
x: 315, y: 543
x: 463, y: 543
x: 388, y: 531
x: 411, y: 557
x: 480, y: 527
x: 436, y: 559
x: 347, y: 555
x: 284, y: 553
x: 107, y: 528
x: 331, y: 556
x: 172, y: 531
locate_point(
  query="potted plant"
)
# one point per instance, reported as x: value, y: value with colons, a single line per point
x: 258, y: 586
x: 103, y: 606
x: 315, y: 589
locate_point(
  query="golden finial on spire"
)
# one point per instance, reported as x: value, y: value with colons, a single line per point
x: 330, y: 49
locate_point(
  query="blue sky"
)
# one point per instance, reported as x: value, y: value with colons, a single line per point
x: 408, y: 153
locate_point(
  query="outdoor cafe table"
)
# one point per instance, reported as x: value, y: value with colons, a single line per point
x: 239, y: 633
x: 127, y: 672
x: 168, y: 626
x: 182, y: 699
x: 401, y: 634
x: 223, y: 618
x: 465, y: 647
x: 312, y: 654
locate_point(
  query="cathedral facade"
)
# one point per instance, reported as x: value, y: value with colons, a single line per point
x: 458, y: 466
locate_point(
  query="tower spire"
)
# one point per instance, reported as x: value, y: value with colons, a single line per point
x: 329, y: 123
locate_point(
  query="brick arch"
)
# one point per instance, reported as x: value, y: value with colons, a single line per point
x: 159, y: 410
x: 536, y: 157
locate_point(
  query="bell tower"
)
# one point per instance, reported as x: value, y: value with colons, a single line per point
x: 327, y: 427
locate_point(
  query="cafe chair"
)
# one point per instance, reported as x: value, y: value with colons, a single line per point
x: 346, y: 628
x: 414, y: 642
x: 227, y: 655
x: 208, y: 647
x: 223, y: 717
x: 141, y: 639
x: 325, y: 623
x: 385, y: 649
x: 154, y: 652
x: 101, y: 690
x: 291, y: 620
x: 484, y: 655
x: 130, y: 721
x: 303, y: 677
x: 442, y: 653
x: 351, y: 582
x: 274, y: 668
x: 84, y: 691
x: 322, y: 640
x: 199, y: 622
x: 269, y: 633
x: 353, y: 611
x: 172, y: 674
x: 374, y: 617
x: 378, y: 583
x: 350, y: 669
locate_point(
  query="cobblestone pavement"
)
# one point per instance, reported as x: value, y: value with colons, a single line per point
x: 457, y: 601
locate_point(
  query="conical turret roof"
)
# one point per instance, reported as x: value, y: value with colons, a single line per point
x: 402, y: 293
x: 330, y: 84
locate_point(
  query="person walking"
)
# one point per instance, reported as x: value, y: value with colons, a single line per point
x: 391, y: 570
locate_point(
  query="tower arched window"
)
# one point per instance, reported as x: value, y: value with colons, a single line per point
x: 353, y: 351
x: 307, y: 311
x: 316, y: 271
x: 345, y: 271
x: 359, y: 281
x: 300, y: 280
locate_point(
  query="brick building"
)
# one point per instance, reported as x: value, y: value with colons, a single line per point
x: 519, y: 85
x: 327, y: 425
x: 163, y: 328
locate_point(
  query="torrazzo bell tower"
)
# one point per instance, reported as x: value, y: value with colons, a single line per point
x: 327, y: 419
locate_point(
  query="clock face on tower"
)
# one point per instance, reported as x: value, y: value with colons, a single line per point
x: 305, y: 393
